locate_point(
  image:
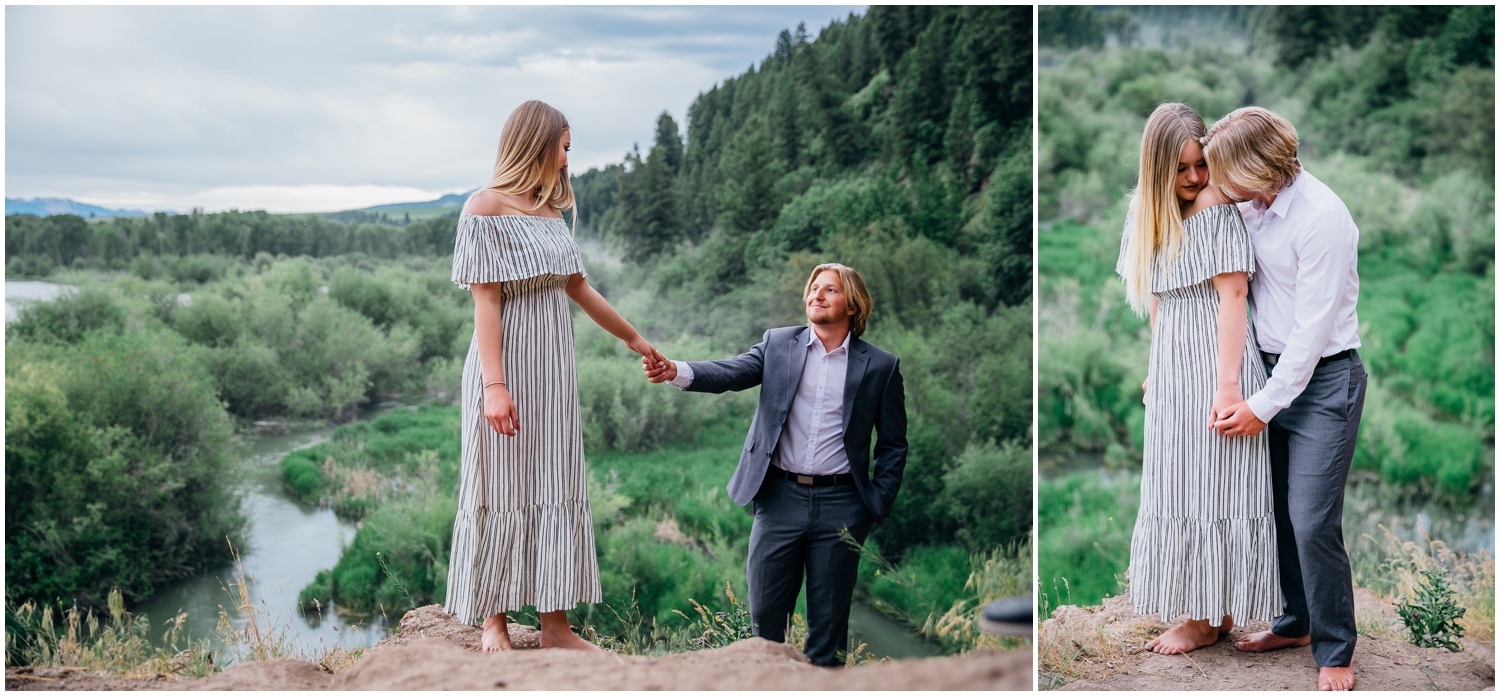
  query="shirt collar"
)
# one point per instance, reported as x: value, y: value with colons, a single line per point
x: 812, y: 337
x: 1283, y: 203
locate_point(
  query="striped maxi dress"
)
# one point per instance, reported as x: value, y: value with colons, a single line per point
x: 523, y: 534
x: 1205, y: 537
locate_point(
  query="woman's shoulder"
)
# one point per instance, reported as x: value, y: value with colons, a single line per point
x: 491, y: 203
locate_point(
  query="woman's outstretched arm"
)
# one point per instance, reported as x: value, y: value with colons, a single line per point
x: 599, y: 309
x: 1233, y: 323
x: 499, y: 408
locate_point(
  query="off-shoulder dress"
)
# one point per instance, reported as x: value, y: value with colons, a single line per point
x: 1205, y: 536
x: 523, y: 534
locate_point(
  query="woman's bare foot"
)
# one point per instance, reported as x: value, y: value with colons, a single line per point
x: 566, y: 638
x: 556, y: 633
x: 496, y: 635
x: 1189, y: 636
x: 1266, y: 640
x: 1335, y: 678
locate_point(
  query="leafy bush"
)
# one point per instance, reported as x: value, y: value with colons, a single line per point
x: 117, y: 467
x: 1432, y: 615
x: 68, y: 318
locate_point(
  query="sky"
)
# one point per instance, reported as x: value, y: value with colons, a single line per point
x: 312, y: 109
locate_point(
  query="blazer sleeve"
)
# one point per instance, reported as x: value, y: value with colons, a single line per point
x: 890, y: 443
x: 733, y: 374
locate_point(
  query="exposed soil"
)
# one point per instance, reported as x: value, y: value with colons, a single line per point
x: 1101, y: 645
x: 435, y: 651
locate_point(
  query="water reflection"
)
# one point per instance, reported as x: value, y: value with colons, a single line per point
x: 20, y: 292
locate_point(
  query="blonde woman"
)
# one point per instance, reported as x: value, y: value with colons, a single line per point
x: 1204, y: 544
x: 523, y: 535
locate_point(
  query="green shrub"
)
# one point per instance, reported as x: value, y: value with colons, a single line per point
x: 68, y: 318
x: 117, y: 467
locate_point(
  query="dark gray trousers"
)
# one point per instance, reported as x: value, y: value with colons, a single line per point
x: 1312, y: 444
x: 796, y: 534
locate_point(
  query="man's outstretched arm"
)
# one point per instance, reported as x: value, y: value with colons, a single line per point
x: 714, y: 376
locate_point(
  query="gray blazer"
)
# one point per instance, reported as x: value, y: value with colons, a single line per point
x: 873, y: 399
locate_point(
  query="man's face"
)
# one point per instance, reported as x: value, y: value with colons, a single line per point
x: 825, y: 300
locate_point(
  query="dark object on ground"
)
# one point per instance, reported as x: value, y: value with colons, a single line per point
x: 1009, y: 617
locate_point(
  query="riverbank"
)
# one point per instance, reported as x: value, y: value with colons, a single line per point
x: 434, y: 651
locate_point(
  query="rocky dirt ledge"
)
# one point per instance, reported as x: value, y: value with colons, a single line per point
x: 1101, y: 644
x: 434, y: 651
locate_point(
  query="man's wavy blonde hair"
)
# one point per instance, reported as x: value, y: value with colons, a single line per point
x: 528, y: 164
x: 1253, y: 150
x: 855, y: 293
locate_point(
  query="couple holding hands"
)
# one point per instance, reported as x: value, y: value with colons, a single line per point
x: 524, y: 535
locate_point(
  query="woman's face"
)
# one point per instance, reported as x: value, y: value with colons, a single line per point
x: 562, y: 157
x: 1192, y: 171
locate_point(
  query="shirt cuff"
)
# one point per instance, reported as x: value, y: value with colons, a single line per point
x: 684, y: 377
x: 1261, y: 406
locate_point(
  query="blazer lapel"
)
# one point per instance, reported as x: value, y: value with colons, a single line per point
x: 858, y: 361
x: 796, y: 360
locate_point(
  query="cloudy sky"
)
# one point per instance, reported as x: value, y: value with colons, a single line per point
x: 303, y: 109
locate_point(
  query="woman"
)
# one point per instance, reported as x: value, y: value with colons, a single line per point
x: 1205, y: 538
x: 524, y: 535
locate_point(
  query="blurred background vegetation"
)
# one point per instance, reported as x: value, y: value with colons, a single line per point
x: 1394, y: 107
x: 898, y: 142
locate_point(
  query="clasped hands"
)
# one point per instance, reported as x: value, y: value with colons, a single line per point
x: 1232, y: 417
x: 659, y: 370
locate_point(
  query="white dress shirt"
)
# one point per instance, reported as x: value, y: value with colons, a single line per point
x: 1305, y: 286
x: 812, y: 441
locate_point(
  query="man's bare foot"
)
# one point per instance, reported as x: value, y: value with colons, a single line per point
x: 1189, y: 636
x: 1335, y: 678
x: 1266, y: 640
x: 566, y: 638
x: 496, y: 635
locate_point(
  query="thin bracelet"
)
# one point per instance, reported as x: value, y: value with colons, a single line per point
x: 500, y: 382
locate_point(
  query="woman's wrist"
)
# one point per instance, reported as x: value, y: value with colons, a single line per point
x: 496, y: 383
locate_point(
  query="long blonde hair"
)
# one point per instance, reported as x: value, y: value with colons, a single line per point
x: 1254, y: 149
x: 1158, y: 212
x: 527, y: 159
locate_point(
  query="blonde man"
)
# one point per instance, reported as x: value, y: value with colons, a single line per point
x: 807, y: 461
x: 1303, y: 297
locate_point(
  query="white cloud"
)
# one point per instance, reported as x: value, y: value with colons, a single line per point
x: 179, y: 107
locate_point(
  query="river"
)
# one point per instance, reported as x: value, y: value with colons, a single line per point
x: 289, y: 542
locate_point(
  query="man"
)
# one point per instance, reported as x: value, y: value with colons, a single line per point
x: 1303, y: 295
x: 806, y: 462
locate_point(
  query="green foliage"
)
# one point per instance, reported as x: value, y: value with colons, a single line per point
x: 117, y: 467
x: 988, y: 492
x: 1084, y: 523
x: 68, y: 318
x: 1432, y: 615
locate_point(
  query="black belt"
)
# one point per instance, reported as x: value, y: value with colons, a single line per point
x: 1272, y: 358
x: 804, y: 479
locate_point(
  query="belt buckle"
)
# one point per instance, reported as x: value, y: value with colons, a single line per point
x: 804, y: 480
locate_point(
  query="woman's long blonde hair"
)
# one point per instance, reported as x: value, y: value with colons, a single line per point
x: 527, y: 163
x: 1157, y: 211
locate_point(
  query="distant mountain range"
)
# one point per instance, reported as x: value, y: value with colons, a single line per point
x: 42, y: 207
x: 452, y: 200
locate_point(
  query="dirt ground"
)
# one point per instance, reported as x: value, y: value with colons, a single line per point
x: 434, y: 651
x: 1100, y: 644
